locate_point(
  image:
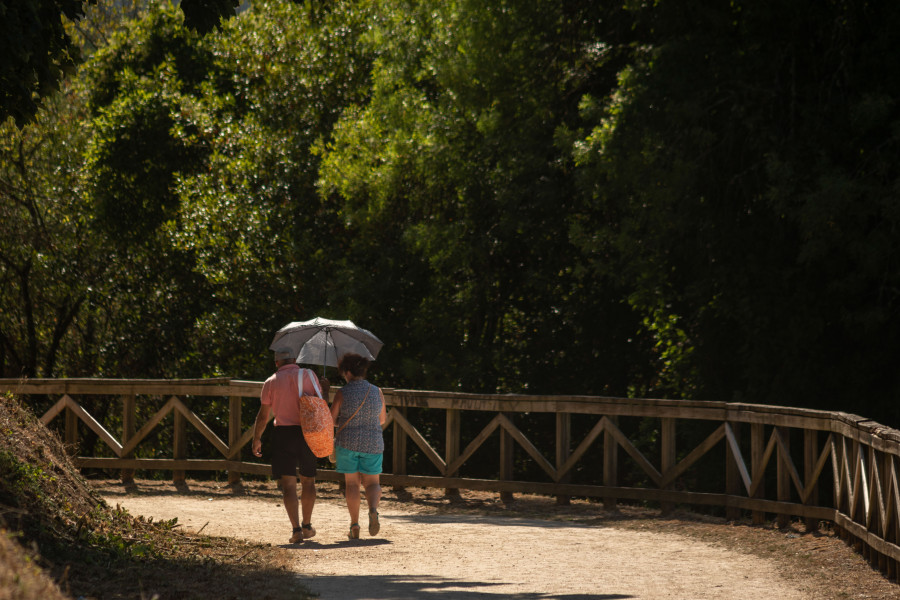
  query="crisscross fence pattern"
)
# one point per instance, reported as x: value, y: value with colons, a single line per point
x: 757, y: 460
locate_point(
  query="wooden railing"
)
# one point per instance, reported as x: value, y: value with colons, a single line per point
x: 758, y: 459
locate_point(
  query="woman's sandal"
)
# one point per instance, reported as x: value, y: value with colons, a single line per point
x: 354, y: 531
x: 374, y: 525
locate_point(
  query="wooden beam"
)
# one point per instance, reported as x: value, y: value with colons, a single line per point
x: 454, y: 426
x: 610, y: 461
x: 738, y: 457
x: 784, y: 455
x: 235, y: 426
x: 695, y: 455
x: 129, y: 405
x: 96, y: 427
x: 202, y: 427
x: 151, y: 423
x: 563, y: 444
x: 420, y: 441
x: 870, y: 539
x: 810, y: 490
x: 507, y: 457
x: 760, y: 469
x: 860, y: 486
x: 668, y: 456
x: 399, y: 453
x: 518, y: 436
x: 634, y: 453
x: 179, y: 440
x: 589, y: 439
x: 875, y: 517
x: 808, y: 496
x: 474, y: 445
x: 757, y: 466
x: 54, y: 410
x: 784, y: 471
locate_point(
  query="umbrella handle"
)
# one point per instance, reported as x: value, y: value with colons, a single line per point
x: 325, y: 355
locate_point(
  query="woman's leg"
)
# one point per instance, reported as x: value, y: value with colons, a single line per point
x: 372, y: 484
x: 351, y: 492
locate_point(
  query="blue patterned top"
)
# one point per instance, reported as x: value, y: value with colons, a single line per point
x: 363, y: 433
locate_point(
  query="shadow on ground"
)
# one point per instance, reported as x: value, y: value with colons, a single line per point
x: 398, y: 587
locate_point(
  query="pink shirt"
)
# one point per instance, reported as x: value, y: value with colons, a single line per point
x: 280, y: 392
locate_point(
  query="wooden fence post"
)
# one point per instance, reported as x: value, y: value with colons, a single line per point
x: 128, y: 417
x: 399, y: 459
x: 667, y: 455
x: 757, y: 449
x: 506, y: 461
x: 235, y: 424
x: 732, y: 473
x: 876, y: 524
x: 71, y: 432
x: 179, y: 446
x: 783, y: 476
x: 890, y: 530
x: 563, y: 443
x: 454, y: 423
x: 810, y: 455
x: 610, y: 464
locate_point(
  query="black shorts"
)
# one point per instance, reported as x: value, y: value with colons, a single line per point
x: 289, y: 449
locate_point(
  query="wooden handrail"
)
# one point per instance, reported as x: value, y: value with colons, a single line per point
x: 854, y: 458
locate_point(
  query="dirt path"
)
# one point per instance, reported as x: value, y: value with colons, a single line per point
x: 427, y: 549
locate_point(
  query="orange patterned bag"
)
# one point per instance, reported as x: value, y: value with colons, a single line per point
x: 315, y: 420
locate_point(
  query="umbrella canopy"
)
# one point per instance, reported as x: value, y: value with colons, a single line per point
x: 323, y: 341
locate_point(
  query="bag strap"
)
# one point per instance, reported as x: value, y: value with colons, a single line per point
x: 344, y: 424
x: 300, y: 376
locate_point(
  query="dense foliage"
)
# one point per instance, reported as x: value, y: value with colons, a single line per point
x: 38, y: 51
x: 682, y: 199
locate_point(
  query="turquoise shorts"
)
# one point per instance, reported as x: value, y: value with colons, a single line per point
x: 349, y: 461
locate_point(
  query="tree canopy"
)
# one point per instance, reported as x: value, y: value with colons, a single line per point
x: 661, y: 199
x: 37, y: 51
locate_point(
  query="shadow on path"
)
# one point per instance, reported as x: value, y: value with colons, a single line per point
x: 342, y: 545
x: 471, y: 519
x: 398, y: 587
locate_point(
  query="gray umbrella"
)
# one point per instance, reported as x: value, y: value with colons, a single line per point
x: 323, y: 341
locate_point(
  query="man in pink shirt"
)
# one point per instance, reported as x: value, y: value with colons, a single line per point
x: 280, y: 396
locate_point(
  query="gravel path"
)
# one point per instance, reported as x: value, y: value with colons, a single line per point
x: 426, y: 554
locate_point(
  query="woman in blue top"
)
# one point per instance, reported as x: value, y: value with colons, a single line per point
x: 359, y: 412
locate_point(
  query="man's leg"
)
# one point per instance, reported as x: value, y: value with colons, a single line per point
x: 307, y: 498
x: 289, y: 496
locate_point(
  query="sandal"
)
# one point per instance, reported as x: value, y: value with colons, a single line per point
x: 374, y: 525
x: 304, y: 532
x: 354, y: 531
x: 297, y: 535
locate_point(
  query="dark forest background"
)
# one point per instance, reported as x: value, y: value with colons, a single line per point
x: 672, y: 199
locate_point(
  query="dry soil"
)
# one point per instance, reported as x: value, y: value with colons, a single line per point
x: 474, y: 546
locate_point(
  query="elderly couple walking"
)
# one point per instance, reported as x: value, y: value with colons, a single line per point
x: 358, y: 411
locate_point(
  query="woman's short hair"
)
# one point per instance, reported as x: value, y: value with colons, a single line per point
x: 356, y: 364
